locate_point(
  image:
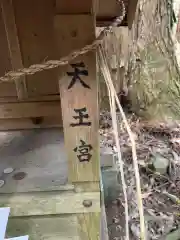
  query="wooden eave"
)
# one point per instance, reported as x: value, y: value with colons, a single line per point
x: 106, y: 10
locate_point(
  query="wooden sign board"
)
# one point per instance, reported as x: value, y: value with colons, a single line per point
x: 79, y: 97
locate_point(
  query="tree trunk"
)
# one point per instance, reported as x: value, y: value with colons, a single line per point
x: 153, y: 73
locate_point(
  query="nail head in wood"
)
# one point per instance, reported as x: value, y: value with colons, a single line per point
x: 87, y: 203
x: 19, y: 175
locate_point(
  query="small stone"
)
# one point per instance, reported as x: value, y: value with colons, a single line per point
x: 8, y: 170
x: 2, y: 183
x: 160, y: 163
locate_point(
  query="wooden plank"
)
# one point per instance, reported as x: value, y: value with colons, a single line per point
x: 50, y: 203
x: 79, y: 31
x: 107, y: 9
x: 47, y: 228
x: 79, y: 101
x: 30, y: 99
x: 104, y: 8
x: 51, y: 228
x: 74, y: 37
x: 132, y: 5
x: 27, y: 123
x: 104, y: 228
x: 6, y: 89
x: 13, y: 44
x: 89, y: 224
x: 34, y: 21
x: 86, y: 187
x: 40, y: 155
x: 29, y: 109
x: 73, y: 7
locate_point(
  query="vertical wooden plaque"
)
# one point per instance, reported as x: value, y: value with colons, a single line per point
x: 79, y: 97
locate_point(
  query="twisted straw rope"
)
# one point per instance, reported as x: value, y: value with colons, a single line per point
x: 50, y: 64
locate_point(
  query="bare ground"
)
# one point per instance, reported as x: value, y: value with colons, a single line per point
x: 158, y: 150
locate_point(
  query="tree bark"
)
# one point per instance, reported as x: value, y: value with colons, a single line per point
x: 153, y: 73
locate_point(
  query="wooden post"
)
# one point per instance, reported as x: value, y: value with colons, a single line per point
x: 79, y: 97
x: 13, y: 44
x: 79, y: 100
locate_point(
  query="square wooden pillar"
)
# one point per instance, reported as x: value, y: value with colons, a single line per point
x: 9, y: 22
x: 79, y: 101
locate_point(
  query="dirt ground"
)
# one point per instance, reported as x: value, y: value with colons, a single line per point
x: 158, y: 152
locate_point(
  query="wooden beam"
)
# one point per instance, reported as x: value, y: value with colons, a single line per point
x: 64, y: 227
x: 50, y: 203
x: 42, y: 98
x: 104, y: 8
x: 29, y: 109
x: 74, y: 7
x: 34, y: 19
x: 79, y: 97
x: 27, y: 123
x: 6, y: 88
x: 79, y: 101
x: 106, y: 11
x: 107, y: 21
x: 13, y: 44
x: 40, y: 227
x: 88, y: 225
x: 131, y: 12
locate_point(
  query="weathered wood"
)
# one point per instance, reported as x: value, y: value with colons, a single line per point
x: 79, y: 98
x: 50, y: 203
x: 40, y: 155
x: 104, y: 8
x: 64, y: 227
x: 34, y: 21
x: 132, y: 5
x: 86, y: 187
x: 89, y: 226
x: 13, y: 44
x: 79, y: 31
x: 29, y: 109
x: 73, y: 7
x: 107, y: 9
x: 27, y: 123
x: 6, y: 89
x: 30, y: 99
x: 41, y: 228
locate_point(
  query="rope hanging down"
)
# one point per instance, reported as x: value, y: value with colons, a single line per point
x: 50, y: 64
